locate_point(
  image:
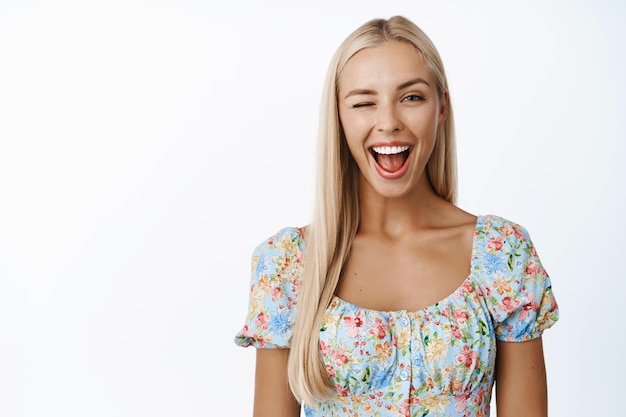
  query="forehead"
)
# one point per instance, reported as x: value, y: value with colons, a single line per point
x: 390, y: 63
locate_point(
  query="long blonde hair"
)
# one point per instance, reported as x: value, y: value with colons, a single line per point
x: 336, y: 212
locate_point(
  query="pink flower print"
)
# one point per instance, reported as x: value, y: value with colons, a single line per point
x: 340, y: 357
x: 299, y: 255
x: 324, y: 348
x: 456, y: 332
x: 276, y: 294
x: 531, y: 305
x: 495, y: 243
x: 330, y: 371
x: 519, y: 234
x: 508, y: 305
x: 533, y: 251
x: 353, y: 323
x: 461, y: 402
x: 532, y: 269
x: 343, y: 392
x: 262, y: 320
x: 461, y: 316
x: 404, y: 408
x: 466, y: 287
x: 467, y: 357
x: 480, y: 397
x: 246, y: 331
x: 378, y: 329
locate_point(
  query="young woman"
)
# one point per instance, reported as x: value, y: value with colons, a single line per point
x: 393, y: 301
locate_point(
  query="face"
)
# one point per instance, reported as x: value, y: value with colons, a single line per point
x: 390, y: 111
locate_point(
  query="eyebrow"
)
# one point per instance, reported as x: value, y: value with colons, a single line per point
x: 414, y: 81
x: 361, y: 91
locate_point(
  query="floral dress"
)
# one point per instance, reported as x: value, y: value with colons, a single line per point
x: 438, y: 361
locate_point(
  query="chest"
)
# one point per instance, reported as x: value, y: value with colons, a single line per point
x: 409, y: 275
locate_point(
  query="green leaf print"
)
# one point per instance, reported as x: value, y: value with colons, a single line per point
x: 465, y: 335
x: 366, y: 375
x: 482, y: 327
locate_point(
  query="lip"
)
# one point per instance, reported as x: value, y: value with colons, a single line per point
x: 392, y: 143
x: 386, y: 174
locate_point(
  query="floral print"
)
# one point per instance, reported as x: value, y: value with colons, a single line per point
x: 438, y: 361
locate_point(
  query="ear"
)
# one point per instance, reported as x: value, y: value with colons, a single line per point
x: 444, y: 106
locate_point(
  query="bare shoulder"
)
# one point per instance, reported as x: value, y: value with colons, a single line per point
x: 447, y: 216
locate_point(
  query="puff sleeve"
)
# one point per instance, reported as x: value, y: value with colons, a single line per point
x: 275, y: 277
x: 517, y: 289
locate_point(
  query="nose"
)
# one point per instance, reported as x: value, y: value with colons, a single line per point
x: 387, y: 119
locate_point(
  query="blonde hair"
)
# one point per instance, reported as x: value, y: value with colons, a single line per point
x: 336, y: 212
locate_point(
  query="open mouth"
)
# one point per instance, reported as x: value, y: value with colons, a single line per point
x: 390, y: 158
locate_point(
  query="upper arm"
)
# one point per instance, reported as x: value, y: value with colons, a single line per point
x: 272, y: 396
x: 521, y: 388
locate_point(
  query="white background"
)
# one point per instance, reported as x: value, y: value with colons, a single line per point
x: 146, y: 147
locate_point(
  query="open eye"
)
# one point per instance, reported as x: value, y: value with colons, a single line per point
x: 413, y: 97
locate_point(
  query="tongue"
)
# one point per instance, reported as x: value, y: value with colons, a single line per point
x: 391, y: 163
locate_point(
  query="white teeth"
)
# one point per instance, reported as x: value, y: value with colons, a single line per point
x: 390, y: 150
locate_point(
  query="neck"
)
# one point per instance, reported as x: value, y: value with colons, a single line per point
x: 394, y: 216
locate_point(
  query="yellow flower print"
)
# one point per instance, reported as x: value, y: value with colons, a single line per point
x: 383, y: 351
x: 259, y: 295
x: 455, y: 384
x: 263, y: 286
x: 331, y: 321
x: 255, y: 305
x: 435, y: 402
x: 403, y: 337
x: 502, y: 286
x: 447, y: 371
x: 436, y: 351
x: 286, y: 243
x: 255, y: 262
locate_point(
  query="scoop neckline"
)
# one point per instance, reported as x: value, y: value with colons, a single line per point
x: 458, y: 289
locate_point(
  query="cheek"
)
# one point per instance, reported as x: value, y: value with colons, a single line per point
x: 353, y: 145
x: 355, y: 126
x: 350, y: 131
